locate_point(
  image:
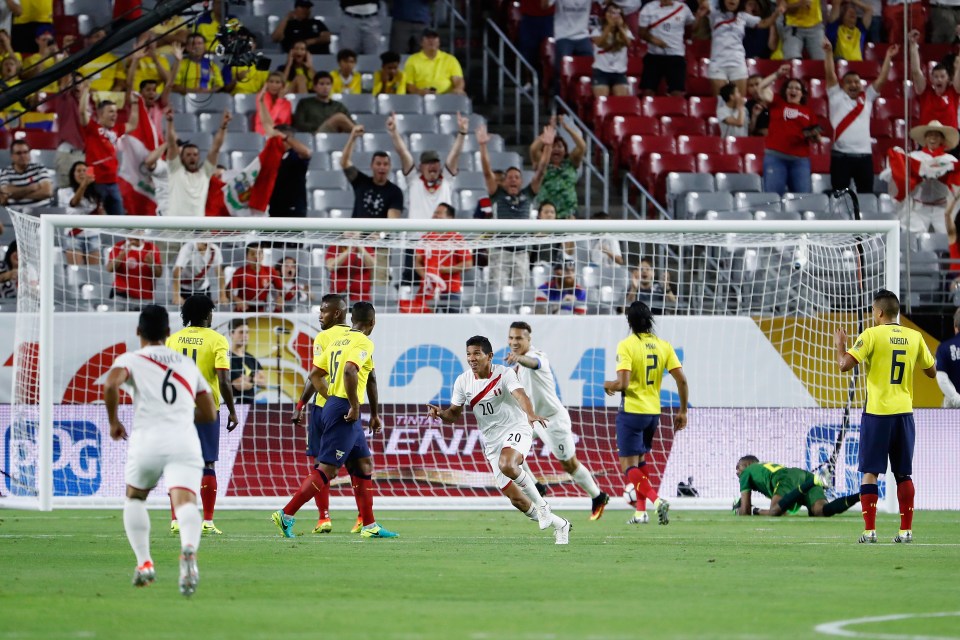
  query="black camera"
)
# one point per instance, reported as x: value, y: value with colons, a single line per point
x: 237, y: 46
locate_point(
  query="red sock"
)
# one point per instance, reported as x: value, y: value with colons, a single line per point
x: 868, y: 503
x: 363, y: 492
x: 638, y: 476
x: 323, y: 500
x: 905, y: 492
x: 311, y: 485
x: 208, y: 495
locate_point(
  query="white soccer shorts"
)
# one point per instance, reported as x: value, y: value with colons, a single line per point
x: 730, y: 73
x: 558, y: 436
x: 181, y: 469
x: 520, y: 439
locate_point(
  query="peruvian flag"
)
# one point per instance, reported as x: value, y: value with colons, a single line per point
x: 136, y: 184
x: 247, y: 191
x: 904, y: 172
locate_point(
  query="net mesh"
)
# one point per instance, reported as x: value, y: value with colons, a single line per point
x: 751, y: 315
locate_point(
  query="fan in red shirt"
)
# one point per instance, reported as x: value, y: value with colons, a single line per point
x: 940, y: 99
x: 350, y: 269
x: 252, y: 283
x: 440, y: 268
x: 793, y: 126
x: 100, y: 140
x: 136, y: 265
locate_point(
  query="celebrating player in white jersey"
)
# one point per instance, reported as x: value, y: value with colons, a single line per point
x: 505, y: 417
x: 536, y: 376
x: 169, y: 395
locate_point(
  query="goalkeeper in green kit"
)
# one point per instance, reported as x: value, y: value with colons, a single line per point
x: 788, y: 488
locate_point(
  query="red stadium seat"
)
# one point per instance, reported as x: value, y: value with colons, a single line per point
x: 875, y: 52
x: 582, y: 89
x: 664, y: 106
x: 763, y: 67
x: 816, y: 88
x: 819, y: 106
x: 636, y: 148
x: 571, y: 68
x: 894, y: 90
x: 618, y: 130
x: 655, y: 168
x: 699, y: 144
x: 807, y: 69
x: 740, y: 146
x: 867, y: 70
x: 682, y: 125
x: 880, y: 148
x: 38, y: 138
x: 719, y: 163
x: 881, y: 128
x: 698, y: 67
x: 512, y: 15
x: 548, y: 60
x: 753, y: 163
x: 826, y: 129
x: 702, y: 107
x: 819, y: 163
x: 66, y: 26
x: 699, y: 86
x: 887, y: 109
x: 899, y: 128
x: 605, y: 107
x: 935, y: 52
x: 713, y: 126
x: 635, y: 66
x: 698, y: 48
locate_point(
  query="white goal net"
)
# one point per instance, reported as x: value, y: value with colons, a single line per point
x: 750, y: 307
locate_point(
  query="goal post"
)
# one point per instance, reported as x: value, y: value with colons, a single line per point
x: 750, y: 305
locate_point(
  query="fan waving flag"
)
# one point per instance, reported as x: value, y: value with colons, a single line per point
x: 905, y: 172
x: 247, y: 191
x: 136, y: 184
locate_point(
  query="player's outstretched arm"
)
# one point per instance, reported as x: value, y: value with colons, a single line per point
x: 524, y: 401
x: 523, y: 360
x: 206, y: 411
x: 111, y: 398
x: 373, y: 399
x: 683, y: 390
x: 449, y: 415
x: 226, y: 391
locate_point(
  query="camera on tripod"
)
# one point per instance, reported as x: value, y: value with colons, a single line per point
x: 237, y: 46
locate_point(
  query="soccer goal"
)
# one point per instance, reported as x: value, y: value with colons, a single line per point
x: 750, y: 306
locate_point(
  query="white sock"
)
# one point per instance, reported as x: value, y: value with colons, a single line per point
x: 532, y: 513
x: 526, y: 467
x: 556, y: 521
x: 136, y: 522
x: 528, y: 486
x: 189, y: 516
x: 585, y: 481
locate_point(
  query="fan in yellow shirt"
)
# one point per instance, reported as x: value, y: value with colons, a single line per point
x: 389, y: 79
x: 431, y: 70
x: 345, y: 78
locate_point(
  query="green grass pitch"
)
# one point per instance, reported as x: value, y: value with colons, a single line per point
x: 482, y: 575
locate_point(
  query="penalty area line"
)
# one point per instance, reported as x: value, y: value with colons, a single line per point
x: 839, y: 627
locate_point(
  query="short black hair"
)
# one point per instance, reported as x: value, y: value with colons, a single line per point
x: 726, y: 91
x: 379, y: 154
x: 144, y: 83
x: 196, y: 309
x: 8, y: 256
x: 333, y: 297
x: 19, y: 142
x: 450, y: 210
x: 154, y: 323
x: 362, y: 312
x: 887, y: 302
x: 749, y: 459
x: 640, y: 318
x: 103, y: 104
x: 343, y: 54
x: 188, y: 145
x: 848, y: 74
x: 236, y: 323
x: 523, y: 326
x: 803, y: 89
x: 482, y: 342
x: 252, y: 246
x: 319, y: 75
x: 940, y: 67
x: 389, y: 57
x: 600, y: 215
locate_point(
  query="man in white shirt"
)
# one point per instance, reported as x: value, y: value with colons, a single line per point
x: 851, y: 156
x: 189, y: 179
x: 506, y: 418
x: 535, y: 374
x: 196, y: 263
x: 169, y: 392
x: 571, y: 30
x: 662, y: 25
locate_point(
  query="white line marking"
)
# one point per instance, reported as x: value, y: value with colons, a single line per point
x: 838, y: 628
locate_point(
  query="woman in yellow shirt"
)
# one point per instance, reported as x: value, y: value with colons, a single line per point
x: 298, y: 71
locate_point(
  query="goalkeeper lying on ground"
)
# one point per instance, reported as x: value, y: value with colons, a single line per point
x: 788, y: 488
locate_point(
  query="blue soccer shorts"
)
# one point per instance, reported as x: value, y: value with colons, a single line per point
x: 635, y: 432
x: 883, y: 437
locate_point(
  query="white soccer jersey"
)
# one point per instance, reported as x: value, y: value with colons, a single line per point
x: 667, y: 23
x: 491, y: 400
x: 572, y: 19
x: 421, y: 201
x: 196, y: 266
x: 854, y: 138
x: 727, y: 31
x: 164, y: 385
x: 606, y: 59
x: 541, y: 385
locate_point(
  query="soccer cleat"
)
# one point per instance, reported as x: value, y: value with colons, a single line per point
x: 904, y: 537
x: 358, y: 527
x: 376, y: 531
x: 541, y: 489
x: 868, y: 536
x: 544, y: 516
x: 283, y: 522
x: 562, y: 534
x: 174, y: 527
x: 144, y: 575
x: 210, y: 529
x: 189, y: 574
x: 823, y: 477
x: 663, y: 511
x: 599, y: 503
x: 323, y: 526
x: 640, y: 517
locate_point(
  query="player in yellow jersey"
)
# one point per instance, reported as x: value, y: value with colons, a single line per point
x: 333, y: 313
x: 890, y: 354
x: 211, y: 353
x: 348, y: 361
x: 641, y: 360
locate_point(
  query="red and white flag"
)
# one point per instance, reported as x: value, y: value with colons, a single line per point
x: 904, y: 172
x: 136, y: 183
x: 247, y: 191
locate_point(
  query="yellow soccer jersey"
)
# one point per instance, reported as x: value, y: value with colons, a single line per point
x: 320, y: 344
x: 646, y: 357
x: 209, y: 350
x: 890, y: 354
x: 353, y: 347
x: 339, y: 86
